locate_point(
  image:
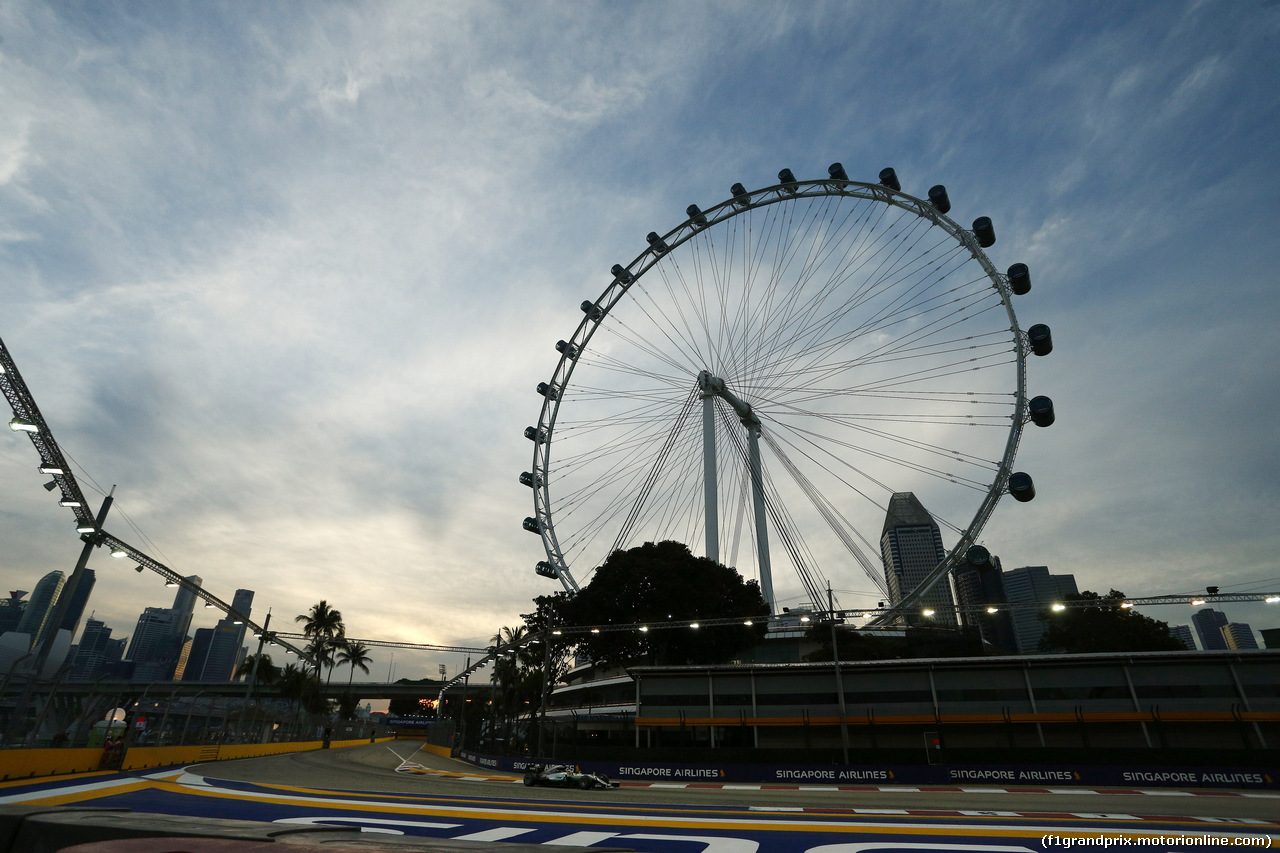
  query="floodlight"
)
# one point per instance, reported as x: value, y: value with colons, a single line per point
x: 1058, y: 607
x: 51, y: 469
x: 69, y: 503
x: 993, y: 609
x: 1196, y: 602
x: 118, y: 553
x: 694, y: 625
x: 20, y: 425
x: 928, y: 611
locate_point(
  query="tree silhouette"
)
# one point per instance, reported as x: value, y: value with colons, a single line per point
x: 1102, y: 625
x: 356, y: 655
x: 653, y: 584
x: 323, y: 624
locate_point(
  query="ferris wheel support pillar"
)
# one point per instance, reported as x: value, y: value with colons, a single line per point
x: 709, y: 476
x: 713, y: 386
x: 762, y: 528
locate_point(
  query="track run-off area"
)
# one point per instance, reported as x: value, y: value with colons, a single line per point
x: 397, y: 788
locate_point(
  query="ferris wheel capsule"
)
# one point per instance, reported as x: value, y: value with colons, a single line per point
x: 1019, y: 279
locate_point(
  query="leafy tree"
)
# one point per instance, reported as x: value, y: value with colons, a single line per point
x: 652, y: 584
x: 1102, y: 625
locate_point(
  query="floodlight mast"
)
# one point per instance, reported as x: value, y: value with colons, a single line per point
x: 712, y: 387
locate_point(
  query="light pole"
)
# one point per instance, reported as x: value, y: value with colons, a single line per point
x: 546, y: 677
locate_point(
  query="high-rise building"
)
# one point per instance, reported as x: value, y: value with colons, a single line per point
x: 153, y: 650
x: 197, y: 654
x: 1034, y: 585
x: 225, y: 644
x: 11, y: 610
x: 1238, y: 635
x: 92, y: 652
x: 184, y: 603
x: 1182, y: 633
x: 978, y: 590
x: 911, y: 547
x: 1209, y: 624
x: 41, y: 605
x: 1270, y: 637
x: 79, y: 598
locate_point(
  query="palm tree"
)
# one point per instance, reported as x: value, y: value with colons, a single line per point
x: 355, y: 654
x: 507, y: 673
x: 323, y: 624
x: 293, y: 683
x: 268, y: 673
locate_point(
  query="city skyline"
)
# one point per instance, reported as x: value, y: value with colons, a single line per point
x: 288, y: 277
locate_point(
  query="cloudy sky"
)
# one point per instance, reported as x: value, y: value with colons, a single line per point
x: 287, y: 274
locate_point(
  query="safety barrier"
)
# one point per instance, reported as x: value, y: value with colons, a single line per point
x: 30, y: 763
x: 28, y: 829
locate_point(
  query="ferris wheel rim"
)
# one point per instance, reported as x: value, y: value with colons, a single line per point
x: 626, y: 277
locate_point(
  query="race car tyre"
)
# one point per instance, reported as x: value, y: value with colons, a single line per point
x: 529, y: 780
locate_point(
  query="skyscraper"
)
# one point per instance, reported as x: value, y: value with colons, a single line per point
x: 911, y: 547
x: 1034, y: 585
x: 225, y: 645
x: 152, y: 649
x: 93, y: 652
x: 78, y: 600
x: 1182, y: 633
x: 41, y: 605
x: 978, y: 589
x: 1238, y: 635
x: 1209, y: 624
x: 184, y: 603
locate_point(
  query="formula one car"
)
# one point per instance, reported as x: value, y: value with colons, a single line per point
x: 566, y: 776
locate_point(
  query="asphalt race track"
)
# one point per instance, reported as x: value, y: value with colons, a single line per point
x: 396, y: 788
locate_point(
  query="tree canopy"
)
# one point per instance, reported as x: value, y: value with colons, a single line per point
x: 1102, y: 625
x: 652, y: 584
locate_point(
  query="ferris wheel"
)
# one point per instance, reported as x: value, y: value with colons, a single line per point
x: 762, y: 379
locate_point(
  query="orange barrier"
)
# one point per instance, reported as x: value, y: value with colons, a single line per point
x: 26, y: 763
x: 30, y: 763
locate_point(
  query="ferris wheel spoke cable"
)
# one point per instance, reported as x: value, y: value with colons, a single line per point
x: 802, y: 341
x: 911, y: 335
x: 897, y: 460
x: 643, y: 494
x: 882, y: 507
x: 813, y: 348
x: 838, y: 524
x: 949, y: 454
x: 783, y: 524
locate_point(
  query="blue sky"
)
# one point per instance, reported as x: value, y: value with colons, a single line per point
x: 288, y: 273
